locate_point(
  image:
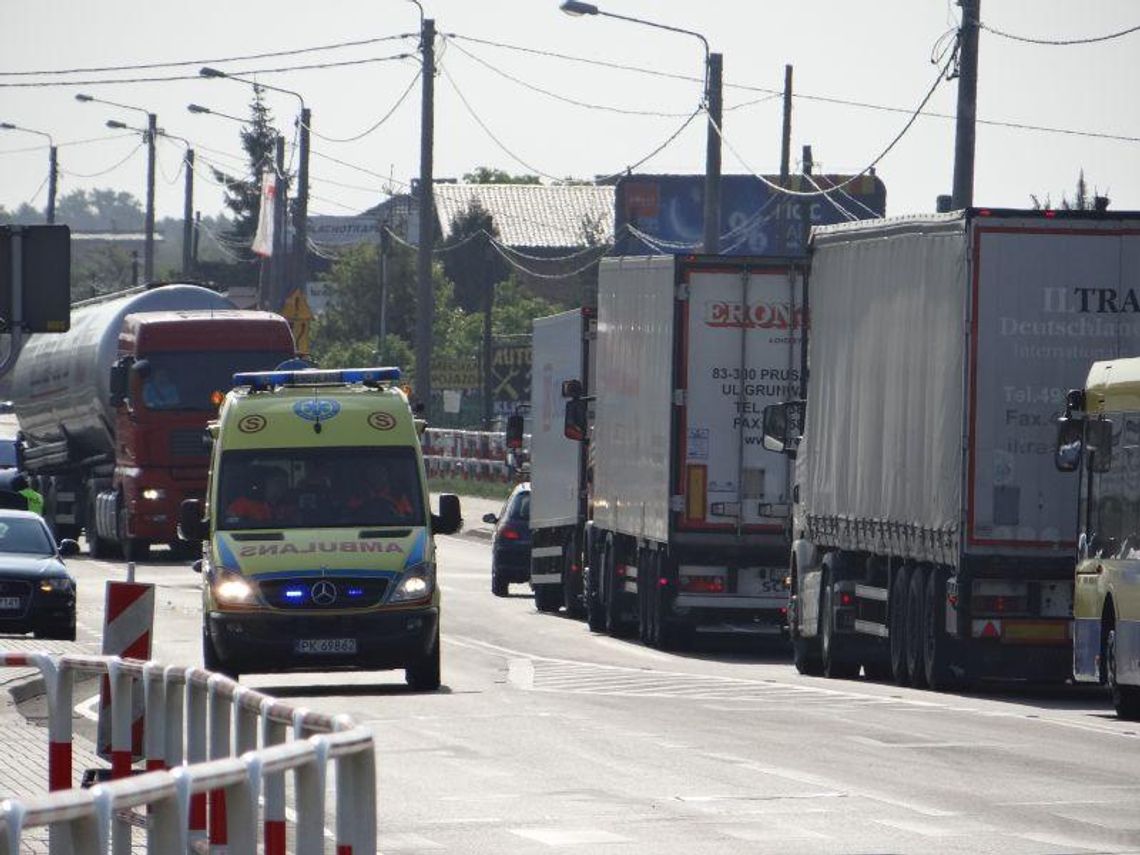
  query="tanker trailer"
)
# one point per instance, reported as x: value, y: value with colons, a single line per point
x: 113, y: 412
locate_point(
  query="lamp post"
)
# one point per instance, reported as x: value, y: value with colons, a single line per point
x: 53, y: 165
x: 151, y: 130
x: 713, y: 104
x: 301, y: 215
x: 187, y: 200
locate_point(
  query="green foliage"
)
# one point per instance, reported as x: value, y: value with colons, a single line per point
x: 469, y: 260
x: 102, y: 269
x: 489, y: 175
x: 243, y: 194
x: 515, y: 308
x: 481, y: 489
x: 1082, y: 200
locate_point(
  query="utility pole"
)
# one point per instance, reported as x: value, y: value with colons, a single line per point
x: 488, y: 309
x: 425, y: 300
x: 963, y: 195
x: 53, y: 175
x: 197, y: 237
x: 786, y: 140
x: 384, y: 247
x: 301, y: 218
x: 277, y: 288
x: 713, y: 87
x: 187, y: 217
x: 148, y: 257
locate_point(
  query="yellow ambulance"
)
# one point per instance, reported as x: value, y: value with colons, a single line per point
x: 318, y: 530
x: 1099, y: 437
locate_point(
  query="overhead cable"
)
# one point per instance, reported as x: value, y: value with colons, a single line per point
x: 379, y: 122
x: 104, y: 171
x: 1059, y: 42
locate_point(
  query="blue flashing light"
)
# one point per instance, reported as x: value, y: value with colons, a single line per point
x: 355, y: 592
x: 260, y: 381
x: 295, y: 593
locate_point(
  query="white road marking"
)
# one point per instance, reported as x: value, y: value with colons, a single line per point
x: 89, y: 708
x: 569, y: 836
x: 1066, y: 844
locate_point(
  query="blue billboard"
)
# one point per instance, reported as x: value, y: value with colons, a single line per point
x: 665, y: 213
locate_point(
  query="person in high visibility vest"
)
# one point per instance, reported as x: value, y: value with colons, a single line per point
x: 34, y: 498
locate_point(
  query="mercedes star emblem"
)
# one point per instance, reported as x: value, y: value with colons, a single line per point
x: 324, y: 593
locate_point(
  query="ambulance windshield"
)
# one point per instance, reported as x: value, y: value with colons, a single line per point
x: 285, y: 488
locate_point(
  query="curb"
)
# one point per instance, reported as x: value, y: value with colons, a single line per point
x: 478, y: 533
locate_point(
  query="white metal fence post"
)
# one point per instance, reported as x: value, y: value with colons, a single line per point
x: 273, y: 733
x: 154, y: 716
x: 196, y: 747
x: 241, y: 808
x: 171, y: 817
x: 173, y: 679
x: 219, y: 748
x: 310, y: 794
x: 121, y: 744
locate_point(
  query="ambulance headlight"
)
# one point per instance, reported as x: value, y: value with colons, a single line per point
x: 231, y: 589
x: 417, y: 583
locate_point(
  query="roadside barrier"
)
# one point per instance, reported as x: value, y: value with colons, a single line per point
x: 127, y: 630
x: 218, y: 752
x: 471, y: 455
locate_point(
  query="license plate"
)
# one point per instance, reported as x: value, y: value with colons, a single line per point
x: 325, y: 645
x: 759, y: 581
x: 10, y: 603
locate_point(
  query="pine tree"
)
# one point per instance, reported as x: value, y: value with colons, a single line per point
x: 243, y: 195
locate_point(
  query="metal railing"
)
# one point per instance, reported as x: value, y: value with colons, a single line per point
x: 216, y: 756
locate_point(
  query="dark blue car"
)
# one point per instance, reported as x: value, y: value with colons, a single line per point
x: 510, y: 548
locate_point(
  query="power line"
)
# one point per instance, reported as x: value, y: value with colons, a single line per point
x: 399, y: 101
x: 62, y: 144
x: 1059, y: 42
x: 103, y: 171
x: 564, y: 98
x: 212, y: 61
x: 245, y: 73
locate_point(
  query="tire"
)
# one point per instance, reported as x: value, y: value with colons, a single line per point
x: 547, y: 598
x: 136, y: 549
x: 646, y: 588
x: 572, y: 598
x: 806, y: 658
x: 211, y: 661
x: 936, y: 644
x: 899, y: 590
x: 595, y: 609
x: 499, y: 587
x: 423, y: 675
x: 916, y: 628
x: 1126, y: 699
x: 833, y: 663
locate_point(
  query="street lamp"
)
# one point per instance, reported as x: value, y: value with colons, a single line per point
x: 187, y: 204
x: 151, y: 131
x: 53, y: 165
x: 301, y: 220
x: 713, y: 102
x: 268, y: 276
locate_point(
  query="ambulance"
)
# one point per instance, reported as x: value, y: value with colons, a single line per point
x: 317, y: 532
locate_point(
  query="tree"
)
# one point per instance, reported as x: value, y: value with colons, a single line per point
x: 489, y: 175
x: 1081, y: 201
x: 243, y: 195
x: 469, y: 259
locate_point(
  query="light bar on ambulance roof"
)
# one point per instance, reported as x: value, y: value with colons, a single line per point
x: 259, y: 381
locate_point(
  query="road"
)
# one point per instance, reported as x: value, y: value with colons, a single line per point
x: 547, y: 737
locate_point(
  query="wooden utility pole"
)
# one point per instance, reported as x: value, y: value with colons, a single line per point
x: 964, y: 140
x: 713, y: 97
x: 425, y: 298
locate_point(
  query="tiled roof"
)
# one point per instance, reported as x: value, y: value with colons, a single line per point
x: 534, y: 215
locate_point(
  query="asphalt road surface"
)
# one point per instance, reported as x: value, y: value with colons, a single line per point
x: 546, y: 737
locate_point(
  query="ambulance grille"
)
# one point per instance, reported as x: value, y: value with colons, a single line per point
x: 188, y: 443
x: 323, y: 593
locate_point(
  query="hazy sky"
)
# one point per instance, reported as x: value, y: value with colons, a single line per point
x: 875, y: 52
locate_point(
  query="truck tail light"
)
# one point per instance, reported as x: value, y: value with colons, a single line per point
x: 702, y: 584
x: 846, y: 598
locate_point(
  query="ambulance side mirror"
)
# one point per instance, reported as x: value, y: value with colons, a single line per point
x: 450, y: 517
x: 191, y: 525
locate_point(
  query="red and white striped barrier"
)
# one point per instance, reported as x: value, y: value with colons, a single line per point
x: 128, y: 623
x: 252, y: 741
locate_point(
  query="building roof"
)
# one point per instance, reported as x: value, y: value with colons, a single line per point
x: 534, y: 215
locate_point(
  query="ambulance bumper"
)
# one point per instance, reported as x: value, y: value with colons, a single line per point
x: 273, y: 643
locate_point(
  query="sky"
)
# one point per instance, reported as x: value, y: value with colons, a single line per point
x: 860, y: 68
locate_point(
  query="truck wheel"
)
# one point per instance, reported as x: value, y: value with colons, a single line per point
x: 571, y: 584
x: 834, y: 665
x: 898, y: 597
x: 595, y: 609
x: 916, y: 628
x: 936, y: 644
x: 1126, y: 699
x: 805, y: 656
x: 547, y: 598
x: 423, y: 675
x: 616, y: 625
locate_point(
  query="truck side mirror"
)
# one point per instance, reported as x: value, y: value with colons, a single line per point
x: 1098, y: 438
x: 120, y: 374
x: 191, y: 525
x: 572, y: 389
x: 1070, y: 444
x: 783, y: 427
x: 450, y: 517
x: 574, y: 425
x: 514, y: 438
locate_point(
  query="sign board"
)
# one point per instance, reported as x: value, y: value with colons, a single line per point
x: 296, y: 310
x: 510, y: 373
x: 454, y: 373
x: 45, y: 277
x: 665, y: 213
x: 344, y: 231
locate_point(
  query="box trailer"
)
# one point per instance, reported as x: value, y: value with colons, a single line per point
x: 933, y: 537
